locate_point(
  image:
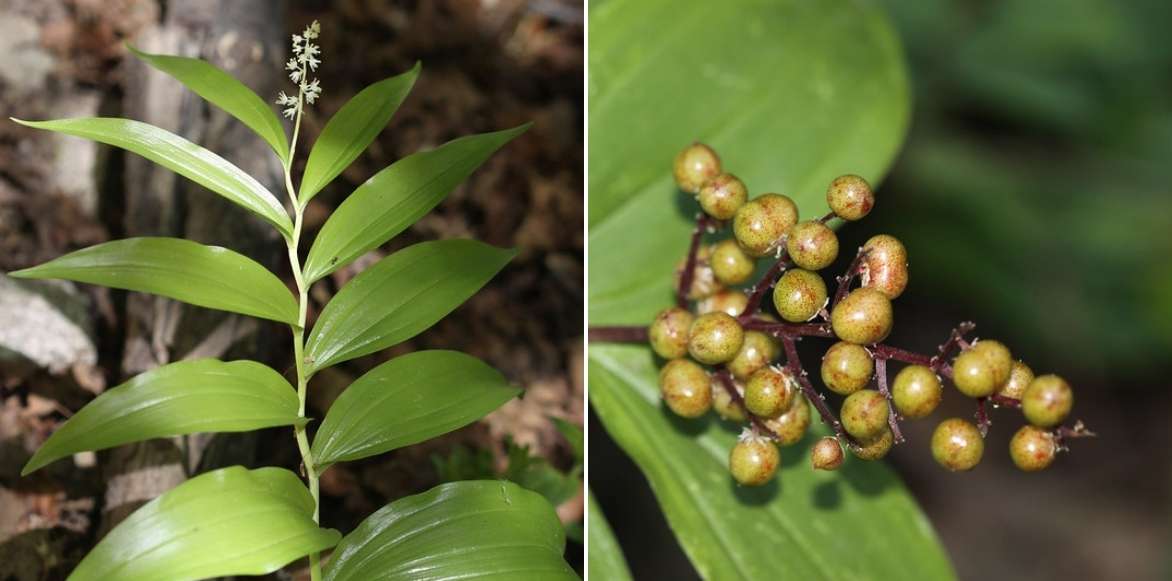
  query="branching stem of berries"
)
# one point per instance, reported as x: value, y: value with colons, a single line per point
x: 789, y: 333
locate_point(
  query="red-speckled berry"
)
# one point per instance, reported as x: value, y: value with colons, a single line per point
x: 761, y: 224
x: 826, y: 454
x: 715, y: 338
x: 1032, y: 448
x: 1047, y: 401
x: 729, y: 301
x: 863, y: 317
x: 875, y: 448
x: 799, y: 295
x: 812, y: 245
x: 916, y: 391
x: 721, y: 196
x: 769, y: 392
x: 730, y: 264
x: 864, y: 414
x: 694, y: 165
x: 884, y: 268
x: 757, y: 351
x: 753, y: 461
x: 1000, y: 360
x: 1019, y: 379
x: 847, y: 368
x: 686, y: 388
x: 790, y: 427
x: 957, y: 445
x: 850, y: 197
x: 668, y: 333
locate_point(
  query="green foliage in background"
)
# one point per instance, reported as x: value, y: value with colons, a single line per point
x: 791, y: 94
x: 234, y: 521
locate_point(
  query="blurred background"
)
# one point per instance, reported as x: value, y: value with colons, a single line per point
x: 1034, y: 194
x: 487, y: 65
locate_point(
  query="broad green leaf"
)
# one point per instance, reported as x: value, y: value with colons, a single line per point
x: 400, y: 296
x: 204, y: 395
x: 351, y: 129
x: 224, y: 91
x: 396, y: 197
x: 406, y: 400
x: 808, y: 91
x: 460, y: 530
x: 605, y: 559
x: 231, y: 521
x: 180, y: 156
x: 207, y: 276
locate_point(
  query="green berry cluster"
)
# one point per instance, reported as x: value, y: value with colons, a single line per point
x: 723, y: 344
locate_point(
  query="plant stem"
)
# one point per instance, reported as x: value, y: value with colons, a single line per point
x: 310, y: 469
x: 689, y: 273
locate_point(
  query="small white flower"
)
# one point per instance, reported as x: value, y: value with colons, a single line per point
x: 291, y: 65
x: 290, y: 112
x: 295, y: 75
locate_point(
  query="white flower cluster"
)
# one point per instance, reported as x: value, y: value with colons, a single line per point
x: 305, y: 59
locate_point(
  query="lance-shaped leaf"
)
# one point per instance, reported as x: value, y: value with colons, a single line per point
x: 396, y: 197
x: 208, y: 276
x: 351, y: 129
x: 180, y: 156
x: 605, y: 557
x: 406, y: 400
x: 461, y: 530
x: 224, y: 91
x: 203, y: 395
x: 401, y: 296
x: 230, y: 521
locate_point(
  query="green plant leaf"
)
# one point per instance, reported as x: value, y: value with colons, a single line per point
x: 208, y: 276
x: 460, y: 530
x: 180, y: 156
x: 574, y: 435
x: 396, y: 197
x: 400, y: 296
x: 351, y: 129
x: 807, y: 92
x: 406, y: 400
x: 605, y: 560
x: 224, y: 91
x: 204, y: 395
x: 230, y: 521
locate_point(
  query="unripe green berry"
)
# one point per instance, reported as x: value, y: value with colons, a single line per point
x: 722, y: 195
x: 1032, y: 448
x: 1000, y: 360
x: 704, y: 283
x: 723, y: 403
x: 957, y: 444
x: 847, y: 368
x: 864, y: 414
x: 812, y: 245
x: 973, y: 374
x: 729, y: 301
x: 760, y: 225
x: 753, y: 461
x: 1047, y: 401
x: 799, y: 295
x: 757, y: 351
x: 863, y: 317
x: 884, y: 268
x: 875, y: 448
x: 850, y: 197
x: 916, y: 391
x: 1019, y: 379
x: 715, y: 338
x: 694, y: 165
x: 686, y: 388
x: 668, y: 333
x: 826, y: 454
x: 790, y: 427
x: 769, y: 392
x: 730, y: 264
